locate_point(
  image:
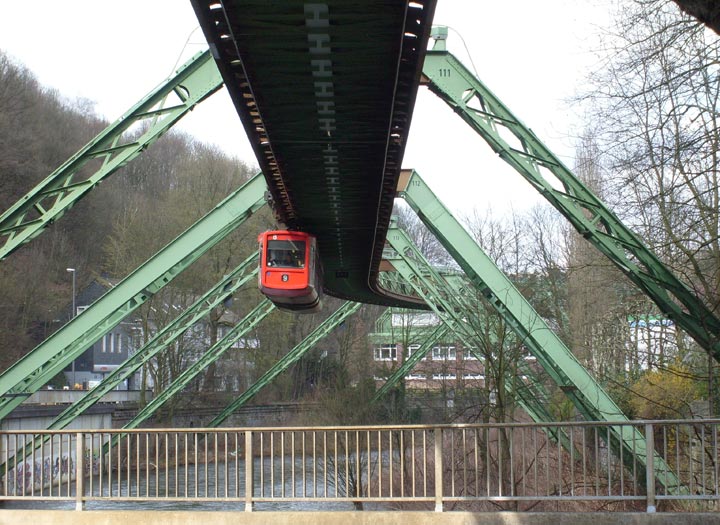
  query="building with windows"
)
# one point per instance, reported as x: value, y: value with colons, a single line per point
x: 447, y: 364
x: 115, y: 347
x: 109, y: 352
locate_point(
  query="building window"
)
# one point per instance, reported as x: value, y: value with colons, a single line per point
x: 443, y: 353
x: 443, y: 377
x: 385, y: 353
x: 416, y: 377
x: 111, y: 343
x: 108, y: 344
x: 474, y: 377
x: 469, y: 353
x: 414, y: 348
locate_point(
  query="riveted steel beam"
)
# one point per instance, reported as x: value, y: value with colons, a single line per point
x: 516, y: 144
x: 215, y: 296
x: 110, y: 150
x: 323, y: 329
x: 444, y: 299
x: 587, y: 395
x: 54, y: 354
x: 166, y: 337
x: 212, y: 354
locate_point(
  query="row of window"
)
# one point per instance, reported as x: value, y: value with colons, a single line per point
x: 439, y: 353
x: 438, y: 377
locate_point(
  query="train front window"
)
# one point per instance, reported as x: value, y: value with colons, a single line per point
x: 286, y: 254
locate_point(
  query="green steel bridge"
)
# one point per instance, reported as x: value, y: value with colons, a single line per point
x: 325, y: 92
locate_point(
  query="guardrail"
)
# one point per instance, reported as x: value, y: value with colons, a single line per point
x: 415, y: 467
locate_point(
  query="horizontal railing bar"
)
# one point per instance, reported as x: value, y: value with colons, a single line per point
x: 426, y: 464
x: 214, y: 430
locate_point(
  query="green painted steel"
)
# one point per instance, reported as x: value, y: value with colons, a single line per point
x: 327, y: 326
x: 587, y: 395
x: 325, y: 91
x: 54, y: 354
x: 519, y: 147
x: 445, y: 301
x: 111, y: 149
x: 212, y: 354
x: 164, y: 338
x: 232, y: 282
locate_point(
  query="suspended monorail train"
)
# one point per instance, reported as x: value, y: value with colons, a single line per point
x: 290, y: 271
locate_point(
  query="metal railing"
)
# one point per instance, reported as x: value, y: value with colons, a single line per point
x: 469, y: 467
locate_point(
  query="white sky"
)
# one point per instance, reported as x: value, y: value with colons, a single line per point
x: 532, y: 54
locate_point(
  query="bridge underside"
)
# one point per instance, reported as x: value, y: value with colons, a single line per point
x: 707, y: 11
x: 326, y: 103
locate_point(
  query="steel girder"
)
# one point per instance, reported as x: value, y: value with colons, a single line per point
x: 224, y: 289
x: 291, y: 357
x: 448, y: 78
x: 163, y: 339
x: 431, y: 285
x: 108, y: 151
x: 587, y: 395
x: 533, y: 395
x: 212, y: 354
x: 327, y: 326
x: 39, y: 366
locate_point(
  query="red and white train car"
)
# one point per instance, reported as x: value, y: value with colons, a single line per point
x: 290, y: 271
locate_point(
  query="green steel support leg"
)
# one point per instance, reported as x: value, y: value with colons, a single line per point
x: 232, y: 282
x: 49, y: 358
x: 114, y: 147
x: 164, y: 338
x: 250, y: 321
x: 327, y: 326
x: 426, y: 282
x: 494, y: 122
x: 561, y: 365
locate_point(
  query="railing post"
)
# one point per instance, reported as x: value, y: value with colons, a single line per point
x: 248, y: 472
x: 650, y: 467
x: 79, y: 470
x: 438, y: 470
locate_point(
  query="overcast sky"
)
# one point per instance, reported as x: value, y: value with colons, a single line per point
x: 532, y: 54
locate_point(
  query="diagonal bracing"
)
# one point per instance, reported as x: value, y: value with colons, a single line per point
x: 49, y: 358
x: 448, y: 78
x: 114, y: 147
x: 587, y: 395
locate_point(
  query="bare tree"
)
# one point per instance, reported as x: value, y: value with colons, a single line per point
x: 656, y: 117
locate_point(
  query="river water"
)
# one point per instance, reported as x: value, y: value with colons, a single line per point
x: 196, y: 478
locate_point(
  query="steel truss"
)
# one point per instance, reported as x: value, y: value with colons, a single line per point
x: 166, y: 337
x: 49, y: 358
x: 456, y: 314
x: 468, y: 97
x: 450, y: 80
x: 113, y: 148
x: 559, y: 363
x: 322, y: 330
x: 212, y: 354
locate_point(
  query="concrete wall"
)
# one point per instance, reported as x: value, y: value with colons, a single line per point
x: 60, y: 517
x: 39, y: 417
x: 49, y: 397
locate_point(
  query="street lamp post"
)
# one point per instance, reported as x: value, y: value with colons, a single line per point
x: 72, y: 316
